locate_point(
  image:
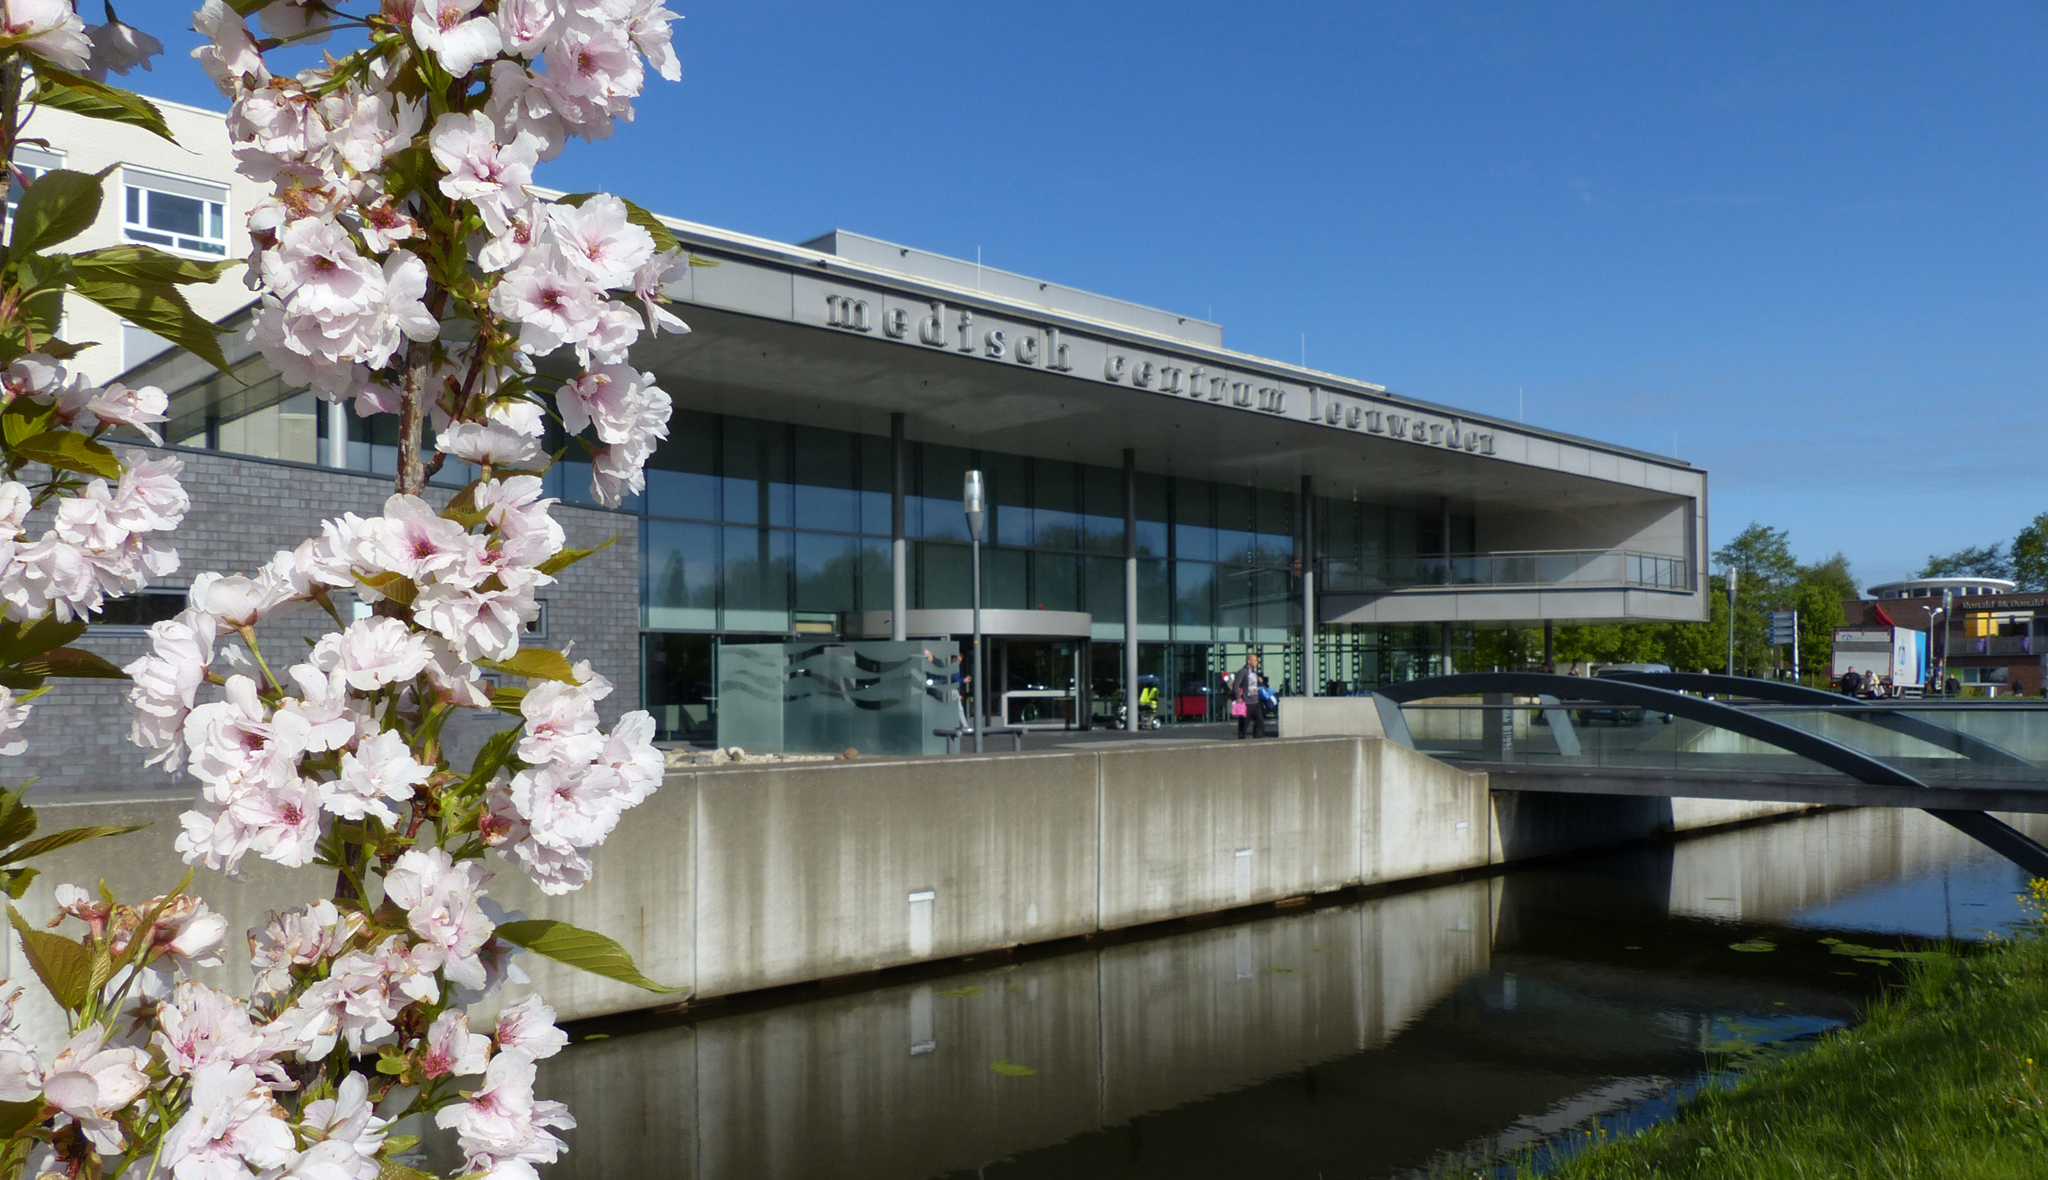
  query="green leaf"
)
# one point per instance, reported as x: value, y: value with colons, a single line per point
x: 1011, y: 1069
x: 582, y: 949
x: 161, y: 308
x: 569, y: 557
x: 58, y: 206
x: 146, y: 263
x: 64, y: 839
x: 497, y: 750
x: 507, y: 699
x: 16, y: 1116
x: 25, y: 419
x: 64, y: 966
x: 392, y: 585
x: 393, y: 1170
x: 72, y: 663
x: 19, y: 641
x: 664, y: 238
x: 71, y: 451
x: 18, y: 881
x: 17, y: 820
x: 535, y: 663
x: 65, y: 91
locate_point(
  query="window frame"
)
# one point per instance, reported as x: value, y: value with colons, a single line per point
x: 135, y: 225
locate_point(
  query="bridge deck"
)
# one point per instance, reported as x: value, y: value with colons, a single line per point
x: 1823, y: 789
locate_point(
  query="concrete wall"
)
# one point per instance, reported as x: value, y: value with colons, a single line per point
x: 736, y: 879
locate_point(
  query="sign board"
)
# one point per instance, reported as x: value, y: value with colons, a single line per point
x: 1784, y: 626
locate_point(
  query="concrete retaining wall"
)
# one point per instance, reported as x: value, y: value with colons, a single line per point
x: 735, y: 879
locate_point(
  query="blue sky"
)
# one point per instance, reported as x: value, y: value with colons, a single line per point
x: 1802, y: 244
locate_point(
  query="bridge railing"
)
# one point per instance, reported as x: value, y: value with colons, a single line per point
x: 1932, y: 743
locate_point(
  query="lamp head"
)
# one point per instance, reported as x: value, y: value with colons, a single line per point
x: 974, y: 499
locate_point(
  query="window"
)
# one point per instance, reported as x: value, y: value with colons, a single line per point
x: 28, y: 163
x: 141, y: 609
x: 181, y: 214
x: 537, y: 626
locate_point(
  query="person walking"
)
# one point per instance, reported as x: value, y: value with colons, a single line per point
x: 1244, y: 698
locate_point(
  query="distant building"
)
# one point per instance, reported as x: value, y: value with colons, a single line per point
x: 1994, y: 637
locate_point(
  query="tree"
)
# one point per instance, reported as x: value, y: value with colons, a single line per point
x: 402, y: 260
x: 1975, y: 561
x: 2030, y: 555
x: 1823, y: 588
x: 1767, y: 572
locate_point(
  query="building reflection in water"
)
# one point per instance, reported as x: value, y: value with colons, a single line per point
x: 1367, y: 1039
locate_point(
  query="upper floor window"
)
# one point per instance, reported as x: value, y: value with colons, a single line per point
x: 29, y: 163
x: 175, y: 212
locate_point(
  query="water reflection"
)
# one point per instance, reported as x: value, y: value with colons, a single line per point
x: 1387, y: 1037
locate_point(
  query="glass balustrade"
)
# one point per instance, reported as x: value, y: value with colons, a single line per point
x: 1935, y: 743
x: 1560, y: 567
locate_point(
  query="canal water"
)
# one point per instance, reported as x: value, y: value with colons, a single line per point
x: 1417, y: 1034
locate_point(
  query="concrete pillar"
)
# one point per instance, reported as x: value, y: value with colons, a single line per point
x: 1131, y: 590
x: 1308, y: 587
x: 1447, y: 669
x: 337, y: 435
x: 1443, y: 524
x: 899, y: 549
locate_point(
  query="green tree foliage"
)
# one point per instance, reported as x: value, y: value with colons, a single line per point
x: 1770, y: 578
x: 1974, y: 561
x: 2030, y: 555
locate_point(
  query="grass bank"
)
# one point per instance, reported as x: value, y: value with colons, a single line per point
x: 1946, y: 1080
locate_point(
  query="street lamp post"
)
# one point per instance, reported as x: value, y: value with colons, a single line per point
x: 977, y: 511
x: 1732, y: 572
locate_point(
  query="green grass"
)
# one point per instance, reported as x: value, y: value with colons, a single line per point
x: 1946, y: 1080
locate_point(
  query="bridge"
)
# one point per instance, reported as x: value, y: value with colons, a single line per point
x: 1659, y: 734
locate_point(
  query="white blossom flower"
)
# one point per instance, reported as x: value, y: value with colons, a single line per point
x: 231, y: 1129
x: 348, y: 1135
x: 140, y: 408
x: 528, y: 1025
x: 236, y: 601
x: 230, y: 54
x: 13, y: 715
x: 456, y: 39
x: 21, y: 1076
x: 502, y: 1125
x: 298, y: 938
x: 597, y: 239
x: 552, y: 307
x: 379, y: 772
x: 440, y: 900
x: 186, y: 930
x: 49, y: 29
x: 201, y: 1026
x: 149, y: 498
x: 482, y: 169
x: 452, y: 1050
x: 371, y: 653
x: 92, y: 1083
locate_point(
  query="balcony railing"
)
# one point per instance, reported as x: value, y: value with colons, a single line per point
x: 1543, y: 568
x: 1993, y: 645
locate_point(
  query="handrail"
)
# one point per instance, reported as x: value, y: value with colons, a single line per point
x: 1986, y: 829
x: 1955, y: 741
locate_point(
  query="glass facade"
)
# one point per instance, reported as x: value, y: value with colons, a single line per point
x: 754, y: 531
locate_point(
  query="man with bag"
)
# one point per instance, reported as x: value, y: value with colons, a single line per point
x: 1244, y: 698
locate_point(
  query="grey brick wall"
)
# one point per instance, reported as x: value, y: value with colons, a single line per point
x: 243, y: 511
